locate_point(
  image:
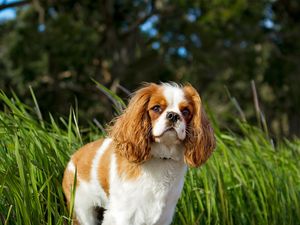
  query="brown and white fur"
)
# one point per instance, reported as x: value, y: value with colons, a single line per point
x: 137, y: 173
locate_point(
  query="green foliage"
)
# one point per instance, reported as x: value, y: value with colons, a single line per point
x: 248, y: 180
x: 57, y: 46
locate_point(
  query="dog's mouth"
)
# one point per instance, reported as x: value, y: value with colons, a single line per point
x: 168, y: 129
x: 169, y: 136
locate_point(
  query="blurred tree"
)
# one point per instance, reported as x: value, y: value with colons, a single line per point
x: 57, y: 46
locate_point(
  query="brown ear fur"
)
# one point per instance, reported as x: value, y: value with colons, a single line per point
x: 131, y: 131
x: 200, y: 140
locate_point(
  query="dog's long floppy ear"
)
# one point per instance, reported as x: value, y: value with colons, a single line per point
x: 200, y: 140
x: 131, y: 132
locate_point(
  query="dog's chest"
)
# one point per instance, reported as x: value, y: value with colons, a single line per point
x: 151, y: 198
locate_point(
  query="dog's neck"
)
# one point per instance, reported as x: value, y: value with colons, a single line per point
x: 167, y: 152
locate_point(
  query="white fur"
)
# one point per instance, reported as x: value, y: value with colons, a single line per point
x: 71, y: 167
x: 151, y: 199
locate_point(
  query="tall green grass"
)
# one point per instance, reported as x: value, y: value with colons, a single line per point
x: 246, y: 181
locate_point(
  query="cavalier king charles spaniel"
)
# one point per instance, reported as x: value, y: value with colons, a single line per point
x: 137, y: 172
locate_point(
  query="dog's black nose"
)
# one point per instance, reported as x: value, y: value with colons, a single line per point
x: 173, y: 116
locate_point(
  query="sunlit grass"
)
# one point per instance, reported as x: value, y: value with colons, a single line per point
x: 246, y: 181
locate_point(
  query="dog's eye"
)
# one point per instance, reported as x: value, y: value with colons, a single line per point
x: 185, y: 112
x: 156, y: 108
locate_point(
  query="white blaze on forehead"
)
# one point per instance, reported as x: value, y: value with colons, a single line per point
x: 174, y: 96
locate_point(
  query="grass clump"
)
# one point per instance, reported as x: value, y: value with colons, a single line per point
x: 246, y: 181
x: 33, y: 155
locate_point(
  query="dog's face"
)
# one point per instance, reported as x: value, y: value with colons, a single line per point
x: 168, y: 114
x: 170, y: 111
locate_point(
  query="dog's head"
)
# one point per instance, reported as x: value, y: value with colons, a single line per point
x: 168, y: 114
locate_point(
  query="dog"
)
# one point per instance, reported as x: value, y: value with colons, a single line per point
x: 137, y: 172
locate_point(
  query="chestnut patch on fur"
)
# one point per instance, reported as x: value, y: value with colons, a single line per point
x: 83, y: 159
x: 104, y: 169
x: 186, y: 105
x: 126, y: 169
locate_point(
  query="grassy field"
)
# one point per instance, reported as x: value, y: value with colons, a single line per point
x: 248, y: 180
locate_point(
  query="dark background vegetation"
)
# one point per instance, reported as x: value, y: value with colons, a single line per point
x: 57, y: 46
